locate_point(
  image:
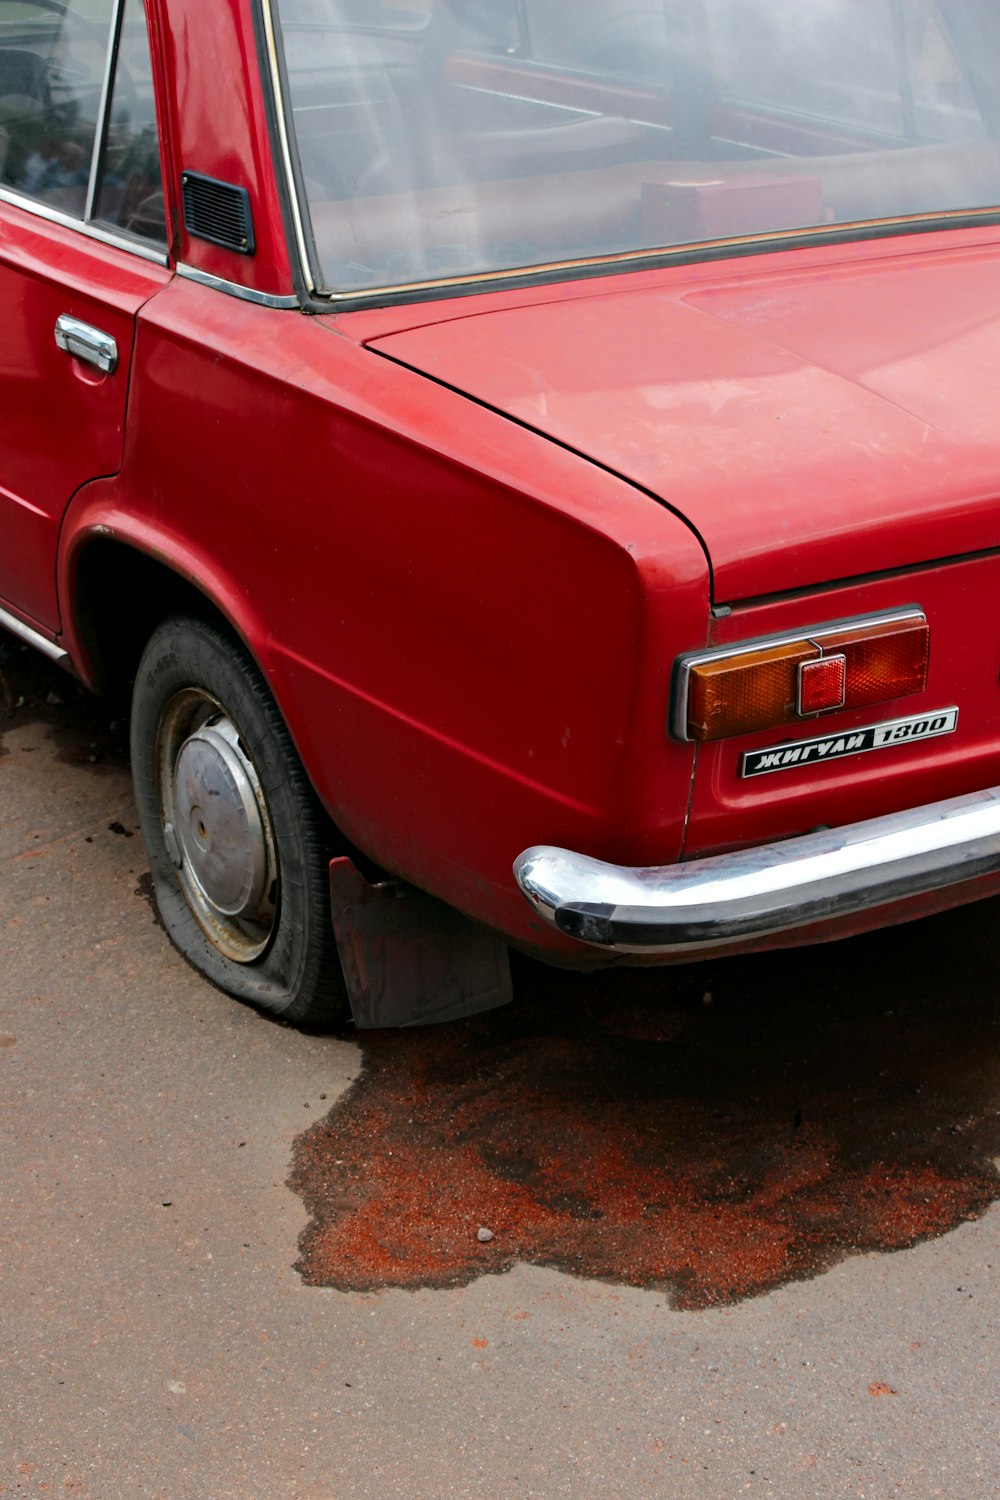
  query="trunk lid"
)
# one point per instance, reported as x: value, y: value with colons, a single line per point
x: 810, y: 425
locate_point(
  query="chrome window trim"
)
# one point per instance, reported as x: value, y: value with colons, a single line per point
x: 103, y: 120
x: 702, y: 252
x: 32, y: 637
x: 685, y: 663
x: 236, y: 289
x: 92, y: 231
x: 291, y: 183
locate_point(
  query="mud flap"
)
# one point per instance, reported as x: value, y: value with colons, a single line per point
x: 409, y: 960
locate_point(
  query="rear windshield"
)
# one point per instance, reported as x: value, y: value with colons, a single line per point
x: 446, y: 139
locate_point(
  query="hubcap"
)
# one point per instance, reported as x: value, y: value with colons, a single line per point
x: 218, y: 821
x: 216, y: 824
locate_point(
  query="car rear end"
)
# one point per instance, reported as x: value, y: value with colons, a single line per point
x: 821, y: 823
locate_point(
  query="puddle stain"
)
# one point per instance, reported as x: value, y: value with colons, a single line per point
x: 619, y: 1128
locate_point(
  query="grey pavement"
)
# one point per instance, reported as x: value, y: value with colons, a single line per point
x: 156, y: 1341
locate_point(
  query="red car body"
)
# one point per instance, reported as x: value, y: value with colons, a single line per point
x: 465, y: 537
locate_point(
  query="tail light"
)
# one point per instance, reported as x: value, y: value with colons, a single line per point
x: 785, y: 680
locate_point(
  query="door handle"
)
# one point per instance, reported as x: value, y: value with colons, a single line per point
x: 84, y: 342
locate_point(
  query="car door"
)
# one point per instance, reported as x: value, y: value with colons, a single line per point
x: 82, y: 248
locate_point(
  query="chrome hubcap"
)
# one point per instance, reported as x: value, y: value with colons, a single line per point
x: 218, y: 821
x: 216, y: 826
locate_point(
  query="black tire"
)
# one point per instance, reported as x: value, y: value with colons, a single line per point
x: 243, y: 887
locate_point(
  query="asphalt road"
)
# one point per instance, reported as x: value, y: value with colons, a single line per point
x: 745, y: 1236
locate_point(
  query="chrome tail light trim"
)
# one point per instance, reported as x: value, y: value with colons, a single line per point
x: 683, y: 666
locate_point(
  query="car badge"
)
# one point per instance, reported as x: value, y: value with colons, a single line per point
x: 791, y: 755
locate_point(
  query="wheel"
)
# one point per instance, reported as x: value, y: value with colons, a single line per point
x: 238, y: 844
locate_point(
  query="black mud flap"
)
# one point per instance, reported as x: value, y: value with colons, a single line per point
x: 409, y: 960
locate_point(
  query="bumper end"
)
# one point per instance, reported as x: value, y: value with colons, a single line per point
x: 762, y: 891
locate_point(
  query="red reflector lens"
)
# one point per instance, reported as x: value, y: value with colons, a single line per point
x: 822, y: 684
x: 765, y: 684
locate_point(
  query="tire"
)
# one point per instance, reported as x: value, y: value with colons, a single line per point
x: 238, y: 843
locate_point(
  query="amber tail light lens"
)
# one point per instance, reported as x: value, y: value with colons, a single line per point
x: 765, y: 684
x: 883, y: 664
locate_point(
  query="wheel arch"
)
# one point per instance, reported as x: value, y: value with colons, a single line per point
x: 117, y: 587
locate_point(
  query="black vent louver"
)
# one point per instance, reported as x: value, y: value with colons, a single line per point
x: 218, y: 212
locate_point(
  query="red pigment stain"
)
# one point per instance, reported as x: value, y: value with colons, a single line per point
x: 619, y: 1128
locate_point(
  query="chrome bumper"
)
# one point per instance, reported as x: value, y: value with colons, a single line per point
x: 768, y: 889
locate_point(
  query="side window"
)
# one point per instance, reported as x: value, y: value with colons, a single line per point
x: 52, y: 66
x: 130, y: 192
x: 367, y: 15
x: 835, y: 62
x: 944, y: 103
x: 628, y: 39
x: 888, y: 69
x: 58, y: 100
x: 493, y: 26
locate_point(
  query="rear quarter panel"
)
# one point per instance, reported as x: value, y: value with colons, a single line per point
x: 469, y: 630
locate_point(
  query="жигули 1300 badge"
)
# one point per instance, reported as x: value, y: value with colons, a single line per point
x: 789, y: 756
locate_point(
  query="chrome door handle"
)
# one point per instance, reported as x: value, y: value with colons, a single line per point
x: 86, y: 343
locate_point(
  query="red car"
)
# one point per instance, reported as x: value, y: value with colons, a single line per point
x: 535, y: 464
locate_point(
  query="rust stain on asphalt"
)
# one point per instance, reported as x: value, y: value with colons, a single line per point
x: 824, y: 1103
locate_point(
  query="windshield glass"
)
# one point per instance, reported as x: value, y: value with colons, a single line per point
x: 439, y: 139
